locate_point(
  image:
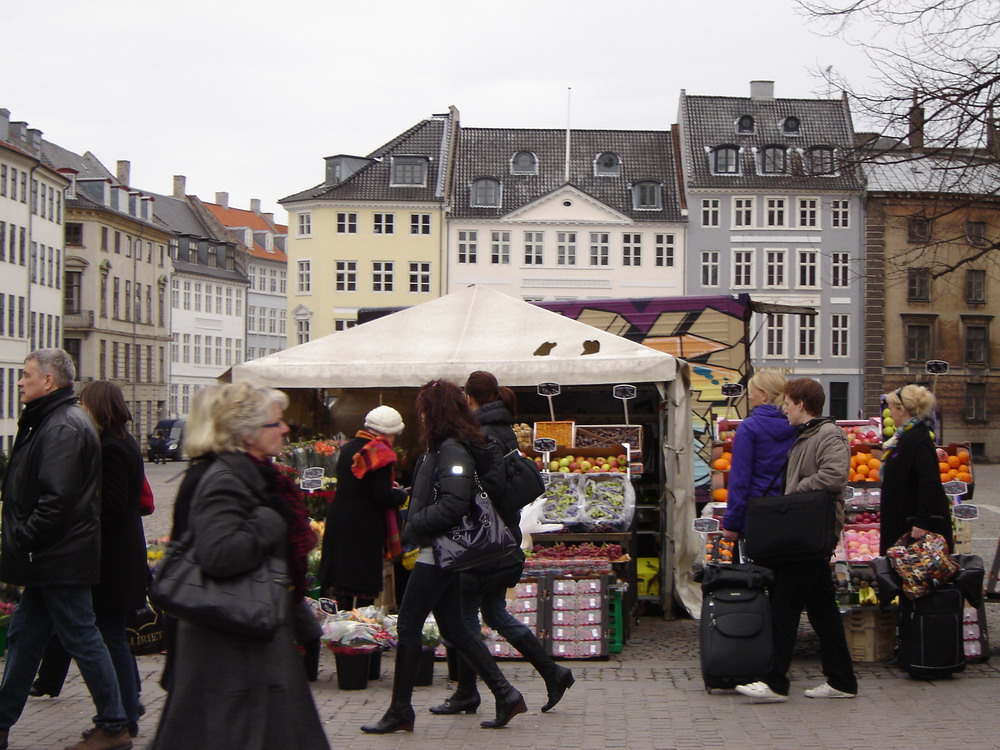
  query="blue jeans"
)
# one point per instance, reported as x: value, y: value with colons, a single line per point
x: 68, y: 611
x: 492, y: 601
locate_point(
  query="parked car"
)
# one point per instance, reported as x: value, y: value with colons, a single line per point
x: 166, y: 441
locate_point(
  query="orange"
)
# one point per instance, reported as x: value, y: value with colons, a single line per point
x: 854, y: 461
x: 727, y: 455
x: 964, y: 476
x: 954, y: 462
x: 873, y: 477
x: 874, y: 463
x: 720, y: 464
x: 963, y: 456
x: 857, y: 477
x: 952, y: 473
x: 945, y: 478
x: 720, y: 494
x: 943, y: 467
x: 963, y: 468
x: 863, y: 470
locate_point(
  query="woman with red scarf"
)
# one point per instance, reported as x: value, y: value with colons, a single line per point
x: 361, y: 522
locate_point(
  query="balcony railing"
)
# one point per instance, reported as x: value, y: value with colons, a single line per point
x: 82, y: 319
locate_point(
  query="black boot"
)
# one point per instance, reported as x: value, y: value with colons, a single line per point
x: 310, y: 659
x: 400, y: 717
x: 558, y: 679
x: 466, y: 696
x: 510, y: 702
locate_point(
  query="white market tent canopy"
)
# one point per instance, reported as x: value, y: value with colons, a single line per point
x: 478, y: 328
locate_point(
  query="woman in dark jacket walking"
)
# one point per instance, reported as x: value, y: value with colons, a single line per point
x: 484, y: 589
x: 443, y: 488
x: 231, y: 691
x: 361, y: 519
x: 913, y: 499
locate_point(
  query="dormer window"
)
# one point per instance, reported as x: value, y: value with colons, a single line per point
x: 409, y: 171
x: 821, y: 160
x: 745, y: 124
x: 725, y: 160
x: 607, y: 165
x: 524, y: 162
x: 772, y: 160
x: 485, y: 193
x: 647, y: 196
x: 791, y: 125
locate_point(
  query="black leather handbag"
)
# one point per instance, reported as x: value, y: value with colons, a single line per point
x: 251, y: 604
x: 480, y: 537
x: 791, y: 528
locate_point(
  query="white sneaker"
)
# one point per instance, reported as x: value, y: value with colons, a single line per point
x: 825, y: 691
x: 759, y: 692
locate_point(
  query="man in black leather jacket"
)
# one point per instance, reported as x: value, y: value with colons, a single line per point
x: 51, y: 546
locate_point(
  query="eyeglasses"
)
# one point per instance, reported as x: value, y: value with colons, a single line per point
x: 272, y: 424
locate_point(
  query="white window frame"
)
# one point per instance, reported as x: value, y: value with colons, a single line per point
x: 420, y: 277
x: 566, y: 248
x: 534, y: 249
x: 840, y: 214
x: 600, y: 249
x: 500, y: 248
x: 775, y: 268
x: 744, y: 267
x: 304, y: 276
x: 420, y: 223
x: 347, y: 222
x: 775, y: 211
x: 806, y: 344
x: 382, y: 275
x: 632, y: 249
x: 401, y: 168
x: 664, y: 250
x: 807, y: 262
x: 345, y: 276
x: 478, y: 190
x: 775, y: 338
x: 809, y: 213
x: 744, y: 216
x: 710, y: 210
x: 468, y: 244
x: 384, y: 223
x: 840, y: 269
x: 839, y: 335
x: 305, y: 224
x: 710, y: 271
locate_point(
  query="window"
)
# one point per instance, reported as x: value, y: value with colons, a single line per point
x: 807, y: 335
x: 600, y: 249
x: 918, y: 342
x: 382, y: 275
x: 346, y: 276
x: 197, y: 298
x: 301, y: 331
x: 467, y: 241
x: 305, y: 277
x: 347, y: 223
x: 485, y: 193
x: 976, y: 345
x: 918, y: 287
x: 305, y: 224
x: 743, y: 212
x: 775, y: 212
x: 565, y: 248
x: 838, y: 335
x: 821, y: 160
x: 808, y: 268
x: 742, y: 268
x: 808, y: 212
x: 409, y: 171
x: 839, y: 391
x: 384, y: 224
x: 745, y: 124
x: 839, y: 265
x: 975, y: 402
x: 195, y: 349
x: 710, y: 212
x: 710, y: 268
x: 607, y: 165
x: 524, y: 162
x: 420, y: 277
x: 919, y: 229
x: 840, y: 214
x: 725, y: 160
x: 975, y: 287
x: 774, y: 336
x: 420, y: 223
x: 500, y: 248
x: 74, y: 233
x: 115, y: 296
x: 664, y: 251
x: 631, y: 249
x: 342, y: 324
x: 774, y: 268
x: 975, y: 231
x: 251, y: 318
x: 772, y: 160
x: 646, y: 196
x: 791, y: 126
x: 72, y: 293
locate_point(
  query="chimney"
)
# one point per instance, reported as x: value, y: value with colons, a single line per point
x: 17, y: 131
x: 180, y: 186
x: 762, y: 90
x: 4, y: 124
x: 255, y: 205
x: 269, y: 217
x: 124, y: 171
x: 916, y: 124
x: 222, y: 199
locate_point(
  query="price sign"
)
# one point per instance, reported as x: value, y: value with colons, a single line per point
x: 544, y: 445
x: 706, y: 525
x: 965, y: 512
x: 954, y: 487
x: 549, y: 389
x: 625, y: 393
x: 936, y: 367
x: 311, y: 484
x: 313, y: 472
x: 732, y: 390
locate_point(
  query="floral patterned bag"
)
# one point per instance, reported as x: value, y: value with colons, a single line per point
x: 921, y: 563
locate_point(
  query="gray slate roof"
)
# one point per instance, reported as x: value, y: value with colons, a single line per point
x: 487, y: 152
x: 371, y: 183
x: 87, y: 165
x: 180, y: 217
x: 710, y: 121
x: 921, y: 173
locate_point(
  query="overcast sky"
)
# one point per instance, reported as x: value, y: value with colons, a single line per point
x: 248, y: 97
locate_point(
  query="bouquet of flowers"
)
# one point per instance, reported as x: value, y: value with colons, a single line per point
x: 357, y: 630
x: 6, y: 612
x: 308, y: 453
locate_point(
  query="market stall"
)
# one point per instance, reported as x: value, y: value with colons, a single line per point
x: 523, y: 345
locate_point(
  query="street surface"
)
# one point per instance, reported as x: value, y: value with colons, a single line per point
x: 648, y: 697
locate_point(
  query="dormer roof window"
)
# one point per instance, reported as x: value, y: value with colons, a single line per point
x: 409, y: 171
x: 821, y: 160
x: 745, y: 124
x: 791, y: 125
x: 725, y: 160
x: 647, y: 196
x: 485, y: 193
x: 773, y: 160
x: 607, y: 165
x: 524, y: 162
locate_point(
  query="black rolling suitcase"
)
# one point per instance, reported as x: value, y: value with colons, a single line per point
x: 735, y: 628
x: 930, y: 633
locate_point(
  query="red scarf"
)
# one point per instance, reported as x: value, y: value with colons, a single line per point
x: 377, y: 453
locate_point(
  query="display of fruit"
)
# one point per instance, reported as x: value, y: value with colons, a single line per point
x: 604, y: 501
x: 560, y: 551
x: 867, y: 434
x: 957, y: 467
x: 864, y: 467
x: 863, y: 517
x: 888, y: 426
x: 586, y: 464
x: 860, y: 544
x: 562, y: 502
x: 723, y: 462
x: 718, y: 549
x: 522, y: 431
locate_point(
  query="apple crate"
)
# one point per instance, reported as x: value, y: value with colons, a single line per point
x: 871, y: 633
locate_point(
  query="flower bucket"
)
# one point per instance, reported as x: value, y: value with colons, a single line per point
x: 375, y: 665
x: 352, y: 667
x: 425, y: 672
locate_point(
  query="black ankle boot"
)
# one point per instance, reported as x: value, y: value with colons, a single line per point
x: 556, y: 685
x: 510, y: 703
x: 558, y: 679
x: 457, y: 703
x: 395, y: 720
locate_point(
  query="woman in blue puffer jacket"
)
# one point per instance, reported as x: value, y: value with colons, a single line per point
x: 760, y: 450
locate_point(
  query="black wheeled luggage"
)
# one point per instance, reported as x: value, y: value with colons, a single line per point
x: 930, y: 633
x: 735, y: 628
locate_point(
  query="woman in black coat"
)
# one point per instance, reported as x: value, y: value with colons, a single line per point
x: 362, y: 514
x: 124, y: 572
x: 913, y: 500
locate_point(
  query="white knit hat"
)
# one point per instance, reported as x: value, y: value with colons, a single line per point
x: 384, y: 419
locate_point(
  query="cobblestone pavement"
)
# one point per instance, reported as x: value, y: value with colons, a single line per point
x: 648, y: 697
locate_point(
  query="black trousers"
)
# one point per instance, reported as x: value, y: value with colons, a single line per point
x: 808, y: 586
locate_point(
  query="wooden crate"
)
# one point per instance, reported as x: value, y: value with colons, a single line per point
x: 871, y: 633
x: 962, y: 538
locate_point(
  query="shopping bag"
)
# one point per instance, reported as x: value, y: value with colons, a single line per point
x: 921, y: 563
